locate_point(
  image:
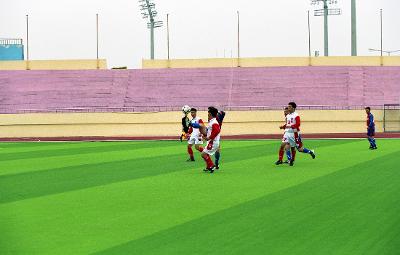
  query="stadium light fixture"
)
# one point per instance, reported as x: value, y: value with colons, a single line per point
x: 148, y: 11
x: 325, y: 12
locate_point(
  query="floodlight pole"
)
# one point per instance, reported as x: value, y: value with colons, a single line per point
x: 149, y: 12
x: 152, y: 38
x: 238, y: 38
x: 326, y: 43
x: 97, y: 41
x: 381, y: 34
x: 27, y: 43
x: 353, y: 28
x: 168, y: 35
x: 309, y: 34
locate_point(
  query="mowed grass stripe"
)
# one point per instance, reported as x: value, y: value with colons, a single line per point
x: 23, y: 147
x: 67, y: 149
x: 76, y: 159
x: 42, y: 183
x: 116, y: 213
x: 351, y: 211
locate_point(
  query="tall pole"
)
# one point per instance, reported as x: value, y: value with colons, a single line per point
x: 353, y: 28
x: 148, y: 8
x: 152, y: 38
x: 168, y: 35
x: 97, y: 41
x: 326, y: 43
x: 27, y: 42
x: 381, y: 34
x: 309, y: 35
x: 238, y: 38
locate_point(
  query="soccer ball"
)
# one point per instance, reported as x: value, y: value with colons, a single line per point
x: 186, y: 109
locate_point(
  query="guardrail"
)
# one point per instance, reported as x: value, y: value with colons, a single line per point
x: 178, y: 108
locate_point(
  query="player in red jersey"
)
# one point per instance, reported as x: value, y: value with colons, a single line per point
x: 213, y: 139
x: 292, y: 133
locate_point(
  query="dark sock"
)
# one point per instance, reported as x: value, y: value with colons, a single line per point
x: 217, y: 156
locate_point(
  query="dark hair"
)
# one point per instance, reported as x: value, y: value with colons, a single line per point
x: 369, y: 108
x: 293, y: 104
x: 193, y: 110
x: 213, y: 111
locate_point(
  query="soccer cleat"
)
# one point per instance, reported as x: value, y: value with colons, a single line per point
x: 211, y: 170
x: 291, y: 162
x: 217, y: 166
x: 190, y: 159
x: 279, y: 162
x: 312, y: 154
x: 286, y: 162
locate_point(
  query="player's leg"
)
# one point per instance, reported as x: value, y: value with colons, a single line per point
x: 190, y: 150
x: 289, y: 146
x: 288, y: 153
x: 373, y: 142
x: 371, y: 138
x: 282, y: 149
x: 301, y: 148
x: 210, y: 150
x: 199, y: 147
x: 293, y: 150
x: 217, y: 157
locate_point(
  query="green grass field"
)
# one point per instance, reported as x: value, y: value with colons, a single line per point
x: 144, y: 198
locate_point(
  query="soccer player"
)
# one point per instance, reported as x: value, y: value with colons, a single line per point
x: 292, y: 133
x: 371, y: 129
x: 213, y: 137
x: 185, y: 127
x: 284, y: 142
x: 195, y: 136
x: 220, y: 119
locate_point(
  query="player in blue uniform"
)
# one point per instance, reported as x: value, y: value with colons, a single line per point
x: 371, y: 129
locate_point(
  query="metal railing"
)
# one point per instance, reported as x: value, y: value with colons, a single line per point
x: 100, y: 109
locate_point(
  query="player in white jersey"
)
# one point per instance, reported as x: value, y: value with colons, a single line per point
x: 292, y: 133
x: 213, y: 139
x: 284, y: 141
x: 195, y: 135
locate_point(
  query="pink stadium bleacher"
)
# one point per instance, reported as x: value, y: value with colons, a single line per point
x: 163, y: 89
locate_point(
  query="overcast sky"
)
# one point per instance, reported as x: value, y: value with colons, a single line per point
x: 66, y: 29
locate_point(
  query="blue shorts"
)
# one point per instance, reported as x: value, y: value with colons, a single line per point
x: 371, y: 131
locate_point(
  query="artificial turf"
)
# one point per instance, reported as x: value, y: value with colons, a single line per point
x: 144, y: 198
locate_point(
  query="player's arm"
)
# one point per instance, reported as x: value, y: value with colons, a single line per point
x: 198, y: 125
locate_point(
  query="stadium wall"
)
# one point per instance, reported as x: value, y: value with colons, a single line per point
x: 333, y: 87
x: 78, y: 64
x: 167, y: 124
x: 271, y: 62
